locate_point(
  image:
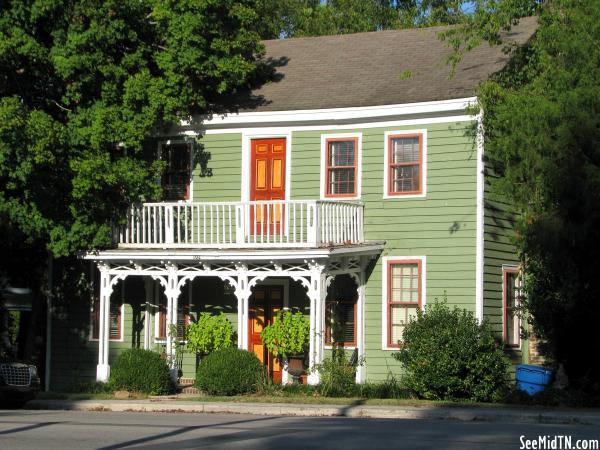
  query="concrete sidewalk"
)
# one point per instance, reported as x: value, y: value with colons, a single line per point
x: 462, y: 413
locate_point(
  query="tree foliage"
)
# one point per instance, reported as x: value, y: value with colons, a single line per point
x: 294, y: 18
x: 542, y: 131
x: 84, y: 84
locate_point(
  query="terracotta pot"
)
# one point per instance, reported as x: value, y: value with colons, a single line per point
x: 295, y: 366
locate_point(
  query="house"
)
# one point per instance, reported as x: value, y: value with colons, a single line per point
x: 351, y: 188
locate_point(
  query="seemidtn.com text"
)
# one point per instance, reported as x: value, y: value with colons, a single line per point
x: 557, y: 442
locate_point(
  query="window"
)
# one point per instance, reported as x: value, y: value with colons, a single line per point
x: 177, y: 176
x: 114, y: 320
x: 512, y: 293
x: 340, y: 325
x: 404, y: 293
x: 183, y: 317
x: 405, y: 164
x: 341, y: 167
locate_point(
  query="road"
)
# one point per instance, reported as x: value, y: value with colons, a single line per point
x: 22, y: 429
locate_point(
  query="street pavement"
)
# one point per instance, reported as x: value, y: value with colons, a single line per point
x: 38, y: 429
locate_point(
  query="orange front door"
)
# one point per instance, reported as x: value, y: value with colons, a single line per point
x: 265, y: 303
x: 267, y: 182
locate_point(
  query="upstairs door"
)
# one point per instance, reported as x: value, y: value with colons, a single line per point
x: 267, y: 182
x: 264, y: 305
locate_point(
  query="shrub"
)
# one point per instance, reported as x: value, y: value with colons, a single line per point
x: 338, y: 376
x: 141, y: 371
x: 288, y: 335
x: 209, y: 333
x: 229, y: 371
x: 448, y: 355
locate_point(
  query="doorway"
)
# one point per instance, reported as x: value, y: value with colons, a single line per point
x: 267, y: 182
x: 264, y: 305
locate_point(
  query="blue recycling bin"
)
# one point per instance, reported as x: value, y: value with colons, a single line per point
x: 533, y: 379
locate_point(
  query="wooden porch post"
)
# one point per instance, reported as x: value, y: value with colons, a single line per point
x: 149, y: 289
x: 103, y: 369
x: 316, y: 295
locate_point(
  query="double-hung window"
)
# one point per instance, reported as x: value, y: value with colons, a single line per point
x: 404, y: 292
x: 512, y: 293
x: 176, y: 180
x: 183, y: 314
x: 340, y: 312
x: 115, y: 331
x: 341, y: 167
x: 404, y: 164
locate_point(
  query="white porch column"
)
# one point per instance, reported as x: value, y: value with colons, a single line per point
x: 242, y: 293
x: 316, y: 295
x: 103, y: 369
x: 172, y: 294
x: 360, y: 318
x: 149, y: 289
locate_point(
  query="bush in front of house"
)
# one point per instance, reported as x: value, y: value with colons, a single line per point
x: 337, y: 375
x: 448, y: 355
x: 141, y: 370
x: 230, y: 371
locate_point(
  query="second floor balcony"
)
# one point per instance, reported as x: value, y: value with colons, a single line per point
x: 253, y: 224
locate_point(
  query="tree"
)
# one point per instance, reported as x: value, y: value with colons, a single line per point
x: 542, y: 132
x: 294, y: 18
x: 84, y: 85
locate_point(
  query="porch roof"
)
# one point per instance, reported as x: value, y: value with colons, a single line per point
x: 236, y: 254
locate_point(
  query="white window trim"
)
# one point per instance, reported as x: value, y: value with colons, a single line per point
x: 384, y: 293
x: 387, y: 134
x: 506, y: 268
x: 323, y: 179
x: 247, y: 138
x: 161, y: 144
x: 122, y: 319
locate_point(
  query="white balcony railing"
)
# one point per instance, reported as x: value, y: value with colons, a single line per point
x: 274, y: 223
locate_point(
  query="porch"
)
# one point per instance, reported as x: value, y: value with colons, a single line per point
x: 243, y: 271
x: 256, y: 224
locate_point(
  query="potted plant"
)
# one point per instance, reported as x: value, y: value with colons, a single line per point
x: 209, y: 333
x: 287, y: 338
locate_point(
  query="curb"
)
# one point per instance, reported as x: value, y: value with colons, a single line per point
x: 307, y: 410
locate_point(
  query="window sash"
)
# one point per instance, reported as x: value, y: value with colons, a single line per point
x: 177, y: 176
x: 404, y: 293
x: 348, y: 313
x: 336, y: 166
x: 512, y: 293
x: 114, y: 320
x: 401, y: 185
x: 183, y: 318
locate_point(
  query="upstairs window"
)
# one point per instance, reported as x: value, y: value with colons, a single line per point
x: 512, y: 293
x: 341, y: 167
x: 177, y: 176
x: 404, y: 165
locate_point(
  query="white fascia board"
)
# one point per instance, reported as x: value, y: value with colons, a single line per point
x: 228, y: 255
x: 336, y: 114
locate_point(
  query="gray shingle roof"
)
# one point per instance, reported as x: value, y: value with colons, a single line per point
x: 364, y: 69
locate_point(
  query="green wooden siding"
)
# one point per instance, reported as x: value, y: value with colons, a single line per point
x: 499, y: 250
x: 440, y: 226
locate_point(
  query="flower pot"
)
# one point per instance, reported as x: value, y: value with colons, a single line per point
x: 295, y: 366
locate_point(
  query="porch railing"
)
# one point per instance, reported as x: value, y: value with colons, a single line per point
x: 273, y: 223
